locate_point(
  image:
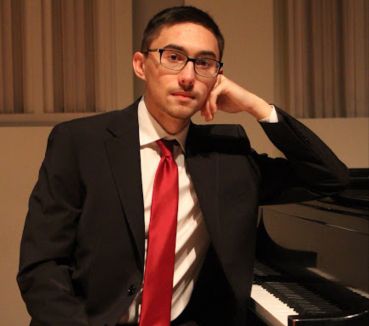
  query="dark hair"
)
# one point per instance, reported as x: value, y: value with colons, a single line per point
x: 177, y: 15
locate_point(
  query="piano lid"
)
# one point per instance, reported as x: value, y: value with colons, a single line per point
x: 339, y: 241
x: 317, y: 250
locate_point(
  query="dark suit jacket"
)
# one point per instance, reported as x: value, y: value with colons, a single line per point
x: 82, y: 251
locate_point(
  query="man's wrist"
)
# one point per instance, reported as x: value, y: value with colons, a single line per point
x: 261, y: 110
x: 272, y: 118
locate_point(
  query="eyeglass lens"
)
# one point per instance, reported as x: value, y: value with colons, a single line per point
x: 176, y: 60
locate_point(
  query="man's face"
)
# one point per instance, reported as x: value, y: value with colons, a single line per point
x: 177, y: 95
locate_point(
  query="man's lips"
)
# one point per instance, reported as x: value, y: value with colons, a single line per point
x: 183, y: 95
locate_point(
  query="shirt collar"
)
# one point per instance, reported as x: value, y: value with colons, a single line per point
x: 150, y: 130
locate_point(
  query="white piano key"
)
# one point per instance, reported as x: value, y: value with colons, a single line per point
x: 268, y: 307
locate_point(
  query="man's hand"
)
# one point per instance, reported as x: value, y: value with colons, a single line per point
x: 229, y: 97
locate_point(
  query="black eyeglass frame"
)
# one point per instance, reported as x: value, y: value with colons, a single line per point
x: 189, y: 59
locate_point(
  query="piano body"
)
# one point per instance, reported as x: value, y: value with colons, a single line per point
x: 312, y: 260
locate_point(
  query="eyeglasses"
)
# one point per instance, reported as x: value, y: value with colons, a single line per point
x: 177, y: 60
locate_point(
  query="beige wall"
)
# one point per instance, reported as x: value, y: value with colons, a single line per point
x: 248, y: 29
x: 22, y: 150
x: 347, y: 137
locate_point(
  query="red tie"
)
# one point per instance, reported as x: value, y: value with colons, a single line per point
x: 158, y: 280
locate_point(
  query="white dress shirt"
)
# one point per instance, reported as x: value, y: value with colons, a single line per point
x: 192, y: 239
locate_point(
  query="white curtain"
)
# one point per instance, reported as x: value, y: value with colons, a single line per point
x: 65, y: 55
x: 322, y: 57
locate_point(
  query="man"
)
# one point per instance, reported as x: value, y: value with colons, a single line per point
x: 86, y: 254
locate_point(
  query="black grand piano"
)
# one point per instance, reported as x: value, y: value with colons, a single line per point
x: 312, y: 260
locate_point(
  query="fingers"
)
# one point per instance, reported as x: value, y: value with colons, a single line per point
x: 215, y: 93
x: 211, y: 105
x: 206, y: 112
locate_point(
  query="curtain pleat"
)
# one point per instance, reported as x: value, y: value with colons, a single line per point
x: 325, y: 58
x: 65, y: 55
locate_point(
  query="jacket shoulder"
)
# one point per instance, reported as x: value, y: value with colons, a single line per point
x: 94, y: 124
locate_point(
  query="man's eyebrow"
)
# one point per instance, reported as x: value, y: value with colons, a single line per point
x: 203, y: 53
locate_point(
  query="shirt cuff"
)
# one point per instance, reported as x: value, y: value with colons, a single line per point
x: 273, y: 117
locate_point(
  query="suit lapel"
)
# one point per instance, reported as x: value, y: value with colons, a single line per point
x: 123, y: 150
x: 203, y: 165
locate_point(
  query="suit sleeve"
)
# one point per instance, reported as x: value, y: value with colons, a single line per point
x: 310, y: 169
x: 46, y: 257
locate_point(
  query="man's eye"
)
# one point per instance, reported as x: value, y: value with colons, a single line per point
x: 174, y: 57
x: 203, y: 63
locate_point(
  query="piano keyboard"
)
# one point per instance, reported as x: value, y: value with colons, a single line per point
x: 275, y: 298
x: 272, y: 310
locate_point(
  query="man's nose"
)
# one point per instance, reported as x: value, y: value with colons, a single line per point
x: 187, y: 75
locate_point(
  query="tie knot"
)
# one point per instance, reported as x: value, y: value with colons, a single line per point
x: 166, y: 147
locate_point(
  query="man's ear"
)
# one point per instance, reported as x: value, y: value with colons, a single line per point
x: 138, y: 62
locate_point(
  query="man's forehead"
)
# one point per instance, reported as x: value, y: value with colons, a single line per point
x: 190, y: 37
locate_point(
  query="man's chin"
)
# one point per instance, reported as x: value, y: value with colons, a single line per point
x: 183, y: 112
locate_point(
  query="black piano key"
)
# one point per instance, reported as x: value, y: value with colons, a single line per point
x: 299, y: 298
